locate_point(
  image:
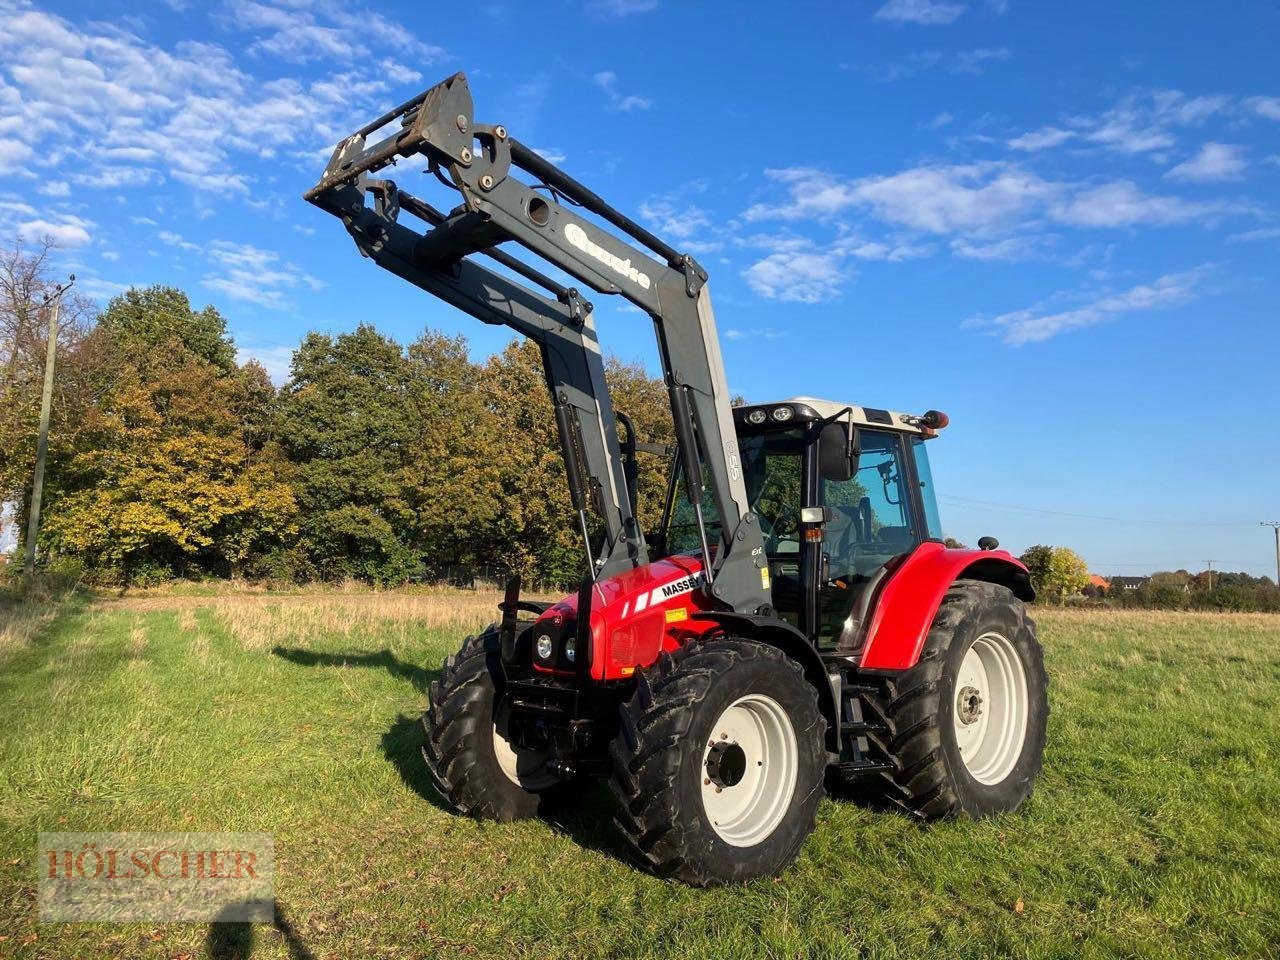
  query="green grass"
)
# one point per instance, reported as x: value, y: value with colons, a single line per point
x: 1153, y: 833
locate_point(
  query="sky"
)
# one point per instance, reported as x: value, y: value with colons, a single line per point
x: 1059, y: 223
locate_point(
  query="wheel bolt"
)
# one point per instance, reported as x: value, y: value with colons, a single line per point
x: 706, y: 782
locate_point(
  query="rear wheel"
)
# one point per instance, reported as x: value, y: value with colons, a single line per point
x: 719, y: 762
x: 968, y: 721
x: 467, y: 748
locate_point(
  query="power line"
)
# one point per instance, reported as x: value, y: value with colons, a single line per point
x: 976, y: 504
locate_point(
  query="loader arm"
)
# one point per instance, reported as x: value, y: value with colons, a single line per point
x: 477, y: 160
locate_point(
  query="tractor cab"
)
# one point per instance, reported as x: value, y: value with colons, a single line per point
x: 841, y: 493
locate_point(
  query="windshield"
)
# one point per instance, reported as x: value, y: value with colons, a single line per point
x: 773, y: 473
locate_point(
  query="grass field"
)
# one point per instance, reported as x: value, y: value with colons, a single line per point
x: 1155, y: 831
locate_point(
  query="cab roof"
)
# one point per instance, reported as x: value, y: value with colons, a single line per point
x: 805, y: 409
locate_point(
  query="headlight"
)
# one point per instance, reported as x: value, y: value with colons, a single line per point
x: 544, y: 647
x: 756, y: 416
x: 783, y: 414
x: 569, y: 648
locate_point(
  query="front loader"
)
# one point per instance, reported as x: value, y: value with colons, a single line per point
x: 794, y: 623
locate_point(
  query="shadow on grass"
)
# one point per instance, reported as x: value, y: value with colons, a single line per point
x: 384, y: 659
x: 233, y: 939
x: 582, y: 811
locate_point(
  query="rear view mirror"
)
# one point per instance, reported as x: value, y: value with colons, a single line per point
x: 838, y: 451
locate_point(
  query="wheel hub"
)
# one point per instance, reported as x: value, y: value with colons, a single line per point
x: 726, y: 764
x: 969, y: 705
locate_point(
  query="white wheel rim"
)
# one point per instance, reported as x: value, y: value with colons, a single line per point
x: 991, y: 708
x: 749, y: 769
x: 525, y: 768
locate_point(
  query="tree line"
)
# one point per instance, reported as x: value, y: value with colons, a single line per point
x: 1060, y: 575
x: 169, y: 458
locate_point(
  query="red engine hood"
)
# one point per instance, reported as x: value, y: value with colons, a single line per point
x: 633, y: 612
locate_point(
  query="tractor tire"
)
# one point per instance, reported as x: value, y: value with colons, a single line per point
x: 968, y: 720
x: 470, y: 760
x: 718, y: 764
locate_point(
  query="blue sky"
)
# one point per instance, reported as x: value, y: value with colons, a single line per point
x: 1058, y: 223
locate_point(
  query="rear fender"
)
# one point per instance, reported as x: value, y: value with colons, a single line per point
x: 909, y: 599
x: 780, y: 634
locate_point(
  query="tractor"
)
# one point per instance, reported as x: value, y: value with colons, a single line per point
x: 794, y: 624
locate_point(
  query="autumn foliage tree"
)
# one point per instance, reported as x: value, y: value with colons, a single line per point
x: 165, y: 476
x: 372, y: 461
x: 1056, y: 572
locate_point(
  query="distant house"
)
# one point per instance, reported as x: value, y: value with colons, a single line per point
x: 1096, y: 587
x: 1128, y: 583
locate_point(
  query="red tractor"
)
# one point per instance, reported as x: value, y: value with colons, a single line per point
x: 794, y: 622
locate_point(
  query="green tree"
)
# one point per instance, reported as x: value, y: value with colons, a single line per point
x: 346, y: 422
x: 142, y: 322
x: 1056, y: 572
x: 1037, y: 560
x: 454, y: 461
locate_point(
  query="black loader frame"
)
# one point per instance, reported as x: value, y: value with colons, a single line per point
x: 479, y: 160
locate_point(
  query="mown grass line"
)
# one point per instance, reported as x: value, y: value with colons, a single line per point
x: 1152, y: 834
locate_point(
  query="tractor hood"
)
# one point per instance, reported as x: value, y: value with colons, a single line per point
x: 634, y: 615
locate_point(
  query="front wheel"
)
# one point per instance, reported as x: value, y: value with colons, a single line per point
x: 718, y: 765
x: 968, y: 721
x: 468, y: 751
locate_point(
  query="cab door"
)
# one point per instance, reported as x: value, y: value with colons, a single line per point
x: 874, y: 518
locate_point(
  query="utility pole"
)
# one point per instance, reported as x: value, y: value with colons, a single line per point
x: 1210, y: 563
x: 1275, y: 525
x: 53, y: 303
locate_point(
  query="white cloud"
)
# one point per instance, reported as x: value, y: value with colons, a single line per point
x: 1141, y: 122
x: 920, y: 11
x: 110, y: 255
x: 754, y: 333
x: 797, y: 276
x: 1034, y: 325
x: 1122, y: 203
x: 971, y: 61
x: 684, y: 225
x: 551, y: 154
x: 954, y: 198
x: 64, y: 229
x: 607, y: 81
x: 1267, y: 107
x: 931, y: 199
x: 621, y: 8
x: 962, y: 63
x: 255, y: 275
x: 169, y: 238
x: 940, y: 120
x: 1010, y: 249
x: 1041, y: 139
x: 1215, y: 161
x: 99, y: 289
x: 14, y: 152
x: 111, y: 110
x: 1253, y: 236
x: 329, y: 30
x: 55, y: 188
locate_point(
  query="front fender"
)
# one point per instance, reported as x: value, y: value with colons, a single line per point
x: 910, y: 598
